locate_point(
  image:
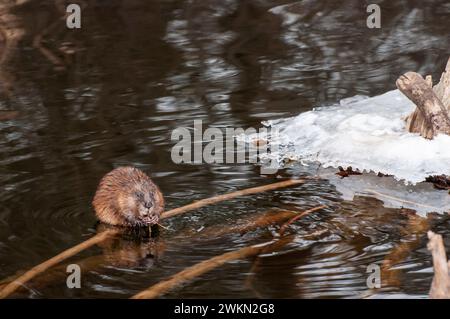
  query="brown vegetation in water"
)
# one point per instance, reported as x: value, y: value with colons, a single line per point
x: 347, y: 172
x: 439, y: 181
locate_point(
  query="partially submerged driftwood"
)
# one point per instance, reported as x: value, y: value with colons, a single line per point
x: 30, y: 274
x: 11, y: 287
x: 432, y: 115
x: 199, y: 269
x: 440, y: 288
x: 195, y: 271
x: 58, y: 273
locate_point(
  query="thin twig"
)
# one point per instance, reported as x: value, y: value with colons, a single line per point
x: 13, y: 286
x: 300, y: 215
x: 411, y: 238
x: 203, y: 267
x: 405, y: 201
x: 281, y: 232
x: 253, y: 222
x: 220, y: 198
x: 33, y: 272
x: 163, y: 227
x: 266, y: 219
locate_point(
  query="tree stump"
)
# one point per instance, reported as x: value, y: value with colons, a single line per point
x: 432, y: 114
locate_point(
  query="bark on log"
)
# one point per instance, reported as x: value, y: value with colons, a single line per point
x: 433, y: 104
x: 440, y: 288
x: 442, y: 89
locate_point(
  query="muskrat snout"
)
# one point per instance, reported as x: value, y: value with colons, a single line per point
x: 148, y: 213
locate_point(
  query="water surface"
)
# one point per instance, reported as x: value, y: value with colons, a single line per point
x: 140, y: 69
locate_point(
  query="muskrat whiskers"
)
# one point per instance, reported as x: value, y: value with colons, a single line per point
x: 164, y: 227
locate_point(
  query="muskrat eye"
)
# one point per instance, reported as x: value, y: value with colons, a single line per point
x: 139, y: 195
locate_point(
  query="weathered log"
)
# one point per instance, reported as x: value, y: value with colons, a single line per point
x: 440, y: 287
x: 433, y: 104
x: 442, y: 89
x: 435, y: 114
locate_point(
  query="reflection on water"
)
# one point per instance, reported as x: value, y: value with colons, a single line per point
x: 140, y: 69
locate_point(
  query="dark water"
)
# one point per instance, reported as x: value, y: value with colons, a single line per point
x: 140, y: 69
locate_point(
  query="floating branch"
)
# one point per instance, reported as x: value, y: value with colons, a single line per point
x: 440, y: 287
x: 21, y: 280
x: 266, y: 219
x: 33, y: 272
x: 262, y: 220
x: 400, y: 200
x: 412, y: 236
x: 205, y: 266
x: 224, y: 197
x: 281, y: 232
x: 302, y: 214
x: 58, y: 273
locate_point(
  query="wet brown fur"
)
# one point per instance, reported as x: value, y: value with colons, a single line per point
x: 116, y: 201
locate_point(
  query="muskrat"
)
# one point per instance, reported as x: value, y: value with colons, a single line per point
x: 126, y: 196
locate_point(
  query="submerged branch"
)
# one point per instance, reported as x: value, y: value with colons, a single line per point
x: 33, y: 272
x: 205, y: 266
x: 400, y: 200
x: 302, y: 214
x: 28, y: 275
x: 412, y: 236
x: 224, y: 197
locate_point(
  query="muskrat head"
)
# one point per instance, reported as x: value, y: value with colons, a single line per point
x: 142, y: 207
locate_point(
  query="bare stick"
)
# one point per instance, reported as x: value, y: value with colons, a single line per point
x: 442, y: 89
x: 57, y: 273
x: 13, y: 286
x: 411, y: 238
x: 405, y: 201
x: 440, y: 288
x: 281, y: 232
x: 33, y: 272
x: 242, y: 227
x: 163, y: 227
x: 221, y: 198
x: 201, y: 268
x: 266, y: 219
x: 302, y: 214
